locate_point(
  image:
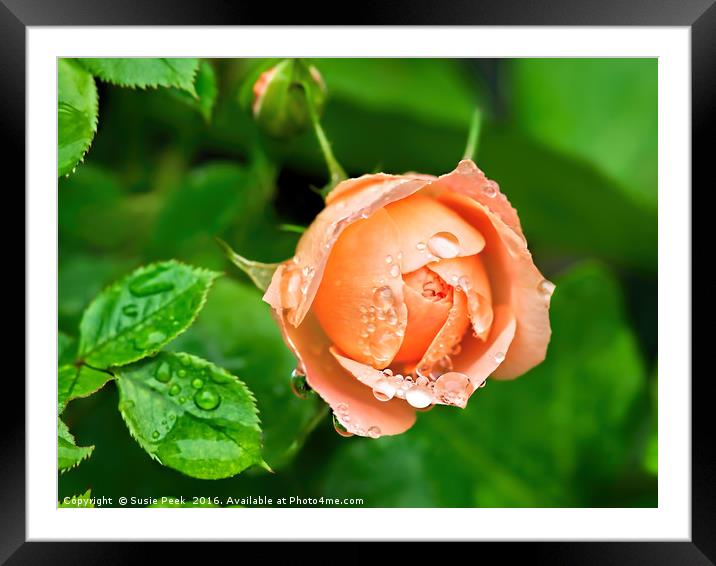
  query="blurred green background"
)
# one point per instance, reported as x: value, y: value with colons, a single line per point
x: 572, y: 142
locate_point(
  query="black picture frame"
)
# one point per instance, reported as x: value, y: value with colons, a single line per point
x: 699, y: 15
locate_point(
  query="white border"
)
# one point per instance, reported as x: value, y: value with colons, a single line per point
x: 671, y: 520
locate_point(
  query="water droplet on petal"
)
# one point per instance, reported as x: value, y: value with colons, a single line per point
x: 419, y: 397
x: 299, y: 385
x: 490, y: 189
x: 383, y: 389
x: 383, y: 298
x: 383, y: 344
x: 466, y: 167
x: 444, y: 245
x: 340, y: 429
x: 207, y: 399
x: 374, y: 432
x: 499, y: 357
x: 546, y: 288
x: 453, y: 388
x: 342, y: 408
x: 163, y: 373
x: 420, y: 246
x: 389, y: 259
x: 394, y: 271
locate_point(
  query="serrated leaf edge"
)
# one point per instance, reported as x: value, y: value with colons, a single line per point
x: 212, y: 276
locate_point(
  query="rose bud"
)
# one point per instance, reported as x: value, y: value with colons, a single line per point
x: 280, y: 104
x: 408, y: 291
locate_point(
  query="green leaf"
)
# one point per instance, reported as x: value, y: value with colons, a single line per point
x: 207, y: 90
x: 559, y: 436
x: 75, y: 382
x: 78, y: 501
x: 190, y: 415
x: 139, y: 314
x: 260, y: 273
x: 66, y: 349
x: 77, y: 105
x: 146, y: 72
x: 236, y: 330
x: 69, y: 454
x: 601, y: 110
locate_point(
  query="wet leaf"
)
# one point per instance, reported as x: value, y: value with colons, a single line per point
x: 146, y: 72
x: 75, y: 382
x: 190, y: 415
x: 76, y: 114
x: 141, y: 313
x: 260, y: 273
x: 236, y: 330
x: 69, y: 455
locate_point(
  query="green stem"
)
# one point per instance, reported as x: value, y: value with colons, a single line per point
x: 336, y: 172
x: 474, y: 135
x: 321, y: 411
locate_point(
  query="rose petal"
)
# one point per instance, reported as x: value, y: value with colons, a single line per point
x: 360, y: 300
x: 469, y: 273
x: 419, y: 218
x: 347, y: 397
x: 479, y: 359
x: 425, y: 319
x: 366, y: 374
x: 359, y: 198
x: 469, y: 180
x: 515, y: 281
x: 449, y: 336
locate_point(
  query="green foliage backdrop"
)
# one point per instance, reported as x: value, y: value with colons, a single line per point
x: 158, y: 159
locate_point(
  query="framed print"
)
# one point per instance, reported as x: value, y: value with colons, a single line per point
x: 398, y: 281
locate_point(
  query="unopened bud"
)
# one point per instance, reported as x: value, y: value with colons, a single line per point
x: 280, y: 105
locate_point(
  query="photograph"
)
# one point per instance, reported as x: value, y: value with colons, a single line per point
x: 366, y: 282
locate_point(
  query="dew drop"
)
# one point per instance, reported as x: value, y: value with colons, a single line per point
x: 389, y: 259
x: 383, y: 298
x: 546, y: 288
x: 490, y: 189
x: 394, y: 271
x: 163, y: 373
x: 444, y: 245
x: 453, y: 388
x: 174, y: 390
x: 197, y: 383
x: 342, y: 409
x: 420, y: 246
x: 466, y: 167
x: 155, y: 434
x: 299, y: 385
x: 383, y: 344
x: 340, y: 429
x: 130, y: 310
x: 149, y: 284
x: 374, y: 432
x: 499, y: 357
x: 419, y: 397
x: 207, y: 399
x: 181, y: 373
x: 151, y: 340
x: 383, y: 389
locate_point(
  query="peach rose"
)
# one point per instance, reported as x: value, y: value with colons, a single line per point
x: 408, y: 291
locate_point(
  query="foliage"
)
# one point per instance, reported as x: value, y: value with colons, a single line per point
x: 178, y: 164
